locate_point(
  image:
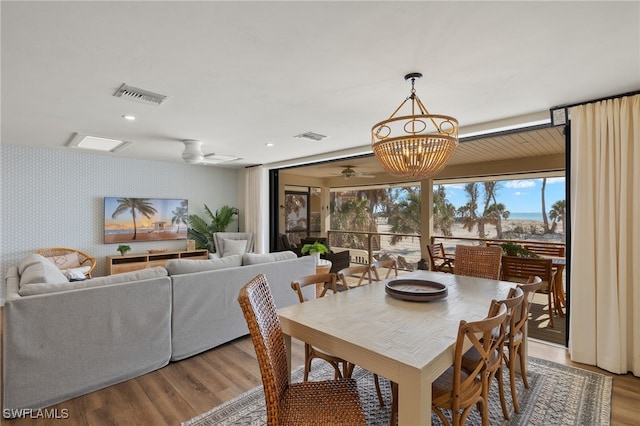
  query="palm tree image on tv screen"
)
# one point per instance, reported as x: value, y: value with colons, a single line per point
x: 144, y: 219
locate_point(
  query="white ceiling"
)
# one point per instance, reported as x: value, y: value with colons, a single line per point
x: 239, y: 75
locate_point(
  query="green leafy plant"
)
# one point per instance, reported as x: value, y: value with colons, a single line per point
x: 316, y: 247
x: 513, y: 249
x: 123, y: 248
x: 202, y: 230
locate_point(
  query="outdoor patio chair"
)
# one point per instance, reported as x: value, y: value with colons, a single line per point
x: 438, y: 260
x: 478, y: 261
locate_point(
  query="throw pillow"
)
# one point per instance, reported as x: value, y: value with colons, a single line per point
x: 256, y: 258
x: 67, y: 261
x: 187, y: 266
x: 233, y: 247
x: 29, y: 260
x: 43, y: 272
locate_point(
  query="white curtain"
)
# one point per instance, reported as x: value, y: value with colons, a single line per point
x: 605, y: 227
x: 256, y: 217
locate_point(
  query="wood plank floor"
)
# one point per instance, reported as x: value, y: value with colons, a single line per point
x: 184, y: 389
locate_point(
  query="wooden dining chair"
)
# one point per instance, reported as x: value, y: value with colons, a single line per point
x: 515, y: 337
x: 519, y: 269
x: 546, y: 249
x: 438, y: 259
x: 356, y: 273
x: 478, y: 261
x: 459, y: 390
x: 318, y: 403
x: 390, y: 264
x: 328, y: 282
x: 472, y: 357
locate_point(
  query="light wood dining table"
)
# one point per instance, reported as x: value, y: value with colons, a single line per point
x: 410, y: 343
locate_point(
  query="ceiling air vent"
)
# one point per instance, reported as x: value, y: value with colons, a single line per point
x: 139, y: 95
x: 311, y: 135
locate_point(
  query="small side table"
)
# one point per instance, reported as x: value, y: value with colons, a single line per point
x: 322, y: 267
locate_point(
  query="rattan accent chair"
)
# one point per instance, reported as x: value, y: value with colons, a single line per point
x: 458, y: 390
x: 355, y: 273
x: 68, y: 258
x: 478, y: 261
x: 329, y: 402
x: 328, y: 282
x: 390, y: 264
x: 472, y: 357
x: 438, y: 260
x: 519, y: 269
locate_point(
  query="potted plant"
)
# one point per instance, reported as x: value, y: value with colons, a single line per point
x: 315, y: 249
x: 513, y: 249
x: 123, y: 248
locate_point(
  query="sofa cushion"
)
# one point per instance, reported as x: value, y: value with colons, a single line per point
x: 187, y: 266
x: 256, y: 258
x: 29, y: 260
x: 233, y: 247
x: 42, y: 272
x: 142, y: 274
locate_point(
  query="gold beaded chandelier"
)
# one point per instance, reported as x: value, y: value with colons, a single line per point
x: 417, y: 145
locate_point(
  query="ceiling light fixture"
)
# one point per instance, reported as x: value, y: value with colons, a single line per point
x: 129, y: 117
x: 192, y: 153
x: 417, y: 145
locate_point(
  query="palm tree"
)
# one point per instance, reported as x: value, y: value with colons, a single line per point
x: 407, y: 216
x: 544, y: 209
x: 443, y: 212
x: 133, y: 205
x: 468, y: 212
x: 180, y: 215
x: 557, y: 214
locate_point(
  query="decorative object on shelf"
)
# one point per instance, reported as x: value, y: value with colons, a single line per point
x: 202, y: 231
x: 417, y: 145
x: 191, y: 245
x: 123, y: 249
x: 315, y: 249
x: 156, y: 251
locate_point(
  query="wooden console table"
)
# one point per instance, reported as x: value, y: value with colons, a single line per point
x: 134, y: 262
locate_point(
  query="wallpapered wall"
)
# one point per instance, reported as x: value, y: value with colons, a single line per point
x: 54, y: 198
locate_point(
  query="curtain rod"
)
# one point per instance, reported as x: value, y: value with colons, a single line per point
x: 560, y: 114
x: 622, y: 95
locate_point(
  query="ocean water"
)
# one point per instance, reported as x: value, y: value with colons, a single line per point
x: 526, y: 216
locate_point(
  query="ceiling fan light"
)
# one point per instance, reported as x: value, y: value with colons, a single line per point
x: 192, y: 153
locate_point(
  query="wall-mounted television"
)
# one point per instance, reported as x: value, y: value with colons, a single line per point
x: 129, y: 220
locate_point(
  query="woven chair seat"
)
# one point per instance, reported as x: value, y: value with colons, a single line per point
x: 441, y: 389
x: 305, y: 404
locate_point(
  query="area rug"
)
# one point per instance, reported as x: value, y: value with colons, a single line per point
x: 558, y: 395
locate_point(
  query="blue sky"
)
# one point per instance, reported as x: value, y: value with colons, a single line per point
x: 519, y: 196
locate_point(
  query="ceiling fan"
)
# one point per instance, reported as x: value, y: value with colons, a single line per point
x: 349, y: 172
x: 192, y: 154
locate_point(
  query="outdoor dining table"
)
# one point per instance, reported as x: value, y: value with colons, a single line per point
x: 410, y: 343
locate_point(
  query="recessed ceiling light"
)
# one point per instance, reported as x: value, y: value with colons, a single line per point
x: 96, y: 143
x: 129, y: 117
x: 269, y: 144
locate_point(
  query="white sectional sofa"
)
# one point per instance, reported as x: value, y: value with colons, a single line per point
x: 64, y: 339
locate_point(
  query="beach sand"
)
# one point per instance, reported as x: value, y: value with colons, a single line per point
x: 145, y: 236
